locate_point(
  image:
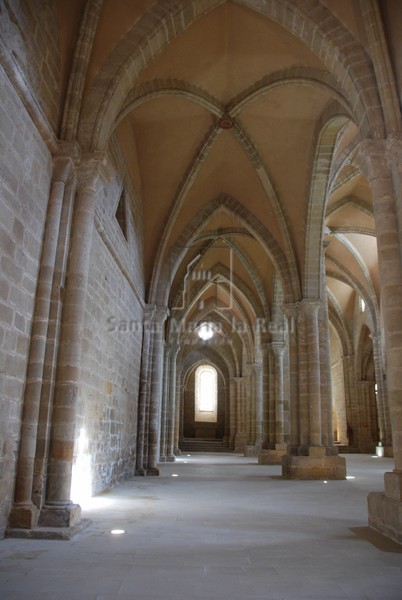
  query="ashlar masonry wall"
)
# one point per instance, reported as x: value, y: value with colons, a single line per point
x: 111, y: 353
x: 25, y: 177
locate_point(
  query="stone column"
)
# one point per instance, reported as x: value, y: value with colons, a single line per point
x: 273, y: 456
x: 234, y: 417
x: 311, y: 309
x: 327, y: 425
x: 171, y: 417
x: 351, y: 401
x: 384, y: 421
x: 291, y: 313
x: 381, y: 163
x: 59, y: 511
x: 312, y: 460
x: 258, y: 367
x: 366, y: 443
x: 165, y: 402
x: 265, y: 397
x: 24, y: 513
x: 178, y: 407
x: 278, y: 349
x: 248, y: 398
x: 251, y: 407
x: 241, y: 436
x: 156, y: 383
x: 271, y: 397
x: 144, y: 391
x: 303, y: 383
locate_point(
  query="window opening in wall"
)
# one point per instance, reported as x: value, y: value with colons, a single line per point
x: 121, y: 214
x: 206, y: 394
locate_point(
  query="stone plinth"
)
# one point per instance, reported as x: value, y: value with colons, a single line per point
x: 317, y: 465
x: 272, y: 456
x: 60, y: 516
x: 385, y: 510
x: 48, y: 533
x: 251, y: 451
x: 24, y: 516
x: 54, y: 523
x: 240, y: 443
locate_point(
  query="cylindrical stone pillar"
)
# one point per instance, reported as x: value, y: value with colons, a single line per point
x: 278, y: 350
x: 25, y: 513
x: 144, y: 391
x: 291, y: 312
x: 384, y: 424
x: 59, y: 511
x: 258, y: 403
x: 160, y: 315
x: 171, y: 417
x: 311, y: 309
x: 380, y: 162
x: 165, y: 401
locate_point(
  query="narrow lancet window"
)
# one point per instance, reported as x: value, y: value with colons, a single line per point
x: 206, y: 394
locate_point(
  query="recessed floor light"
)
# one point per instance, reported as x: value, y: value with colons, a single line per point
x: 174, y: 475
x: 350, y: 477
x: 118, y: 531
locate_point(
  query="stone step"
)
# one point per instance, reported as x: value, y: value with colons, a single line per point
x: 202, y: 445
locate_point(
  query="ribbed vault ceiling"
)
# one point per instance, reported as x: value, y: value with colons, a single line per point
x: 234, y: 136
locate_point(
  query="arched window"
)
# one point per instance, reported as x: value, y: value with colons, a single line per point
x: 206, y: 394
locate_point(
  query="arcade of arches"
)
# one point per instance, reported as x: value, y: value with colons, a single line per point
x: 197, y: 183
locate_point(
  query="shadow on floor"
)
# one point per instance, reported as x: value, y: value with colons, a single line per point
x: 381, y: 542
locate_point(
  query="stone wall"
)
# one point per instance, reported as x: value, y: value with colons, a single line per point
x: 106, y: 429
x: 29, y: 33
x: 25, y: 176
x: 194, y: 429
x: 111, y: 357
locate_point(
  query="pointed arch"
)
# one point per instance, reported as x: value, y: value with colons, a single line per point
x: 326, y: 141
x: 165, y: 273
x: 326, y: 36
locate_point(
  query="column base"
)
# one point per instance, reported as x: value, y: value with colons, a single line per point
x: 170, y: 458
x: 240, y: 443
x: 152, y: 472
x: 48, y: 533
x: 367, y: 447
x: 385, y: 510
x: 24, y: 516
x: 251, y: 450
x: 177, y: 452
x: 59, y: 515
x: 272, y: 456
x: 317, y: 465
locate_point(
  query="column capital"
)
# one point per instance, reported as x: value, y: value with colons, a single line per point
x: 173, y: 348
x: 94, y: 169
x: 310, y: 306
x: 156, y: 314
x: 372, y: 157
x: 65, y: 157
x: 278, y: 348
x: 291, y: 309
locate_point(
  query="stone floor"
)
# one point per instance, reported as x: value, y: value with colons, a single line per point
x: 217, y: 527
